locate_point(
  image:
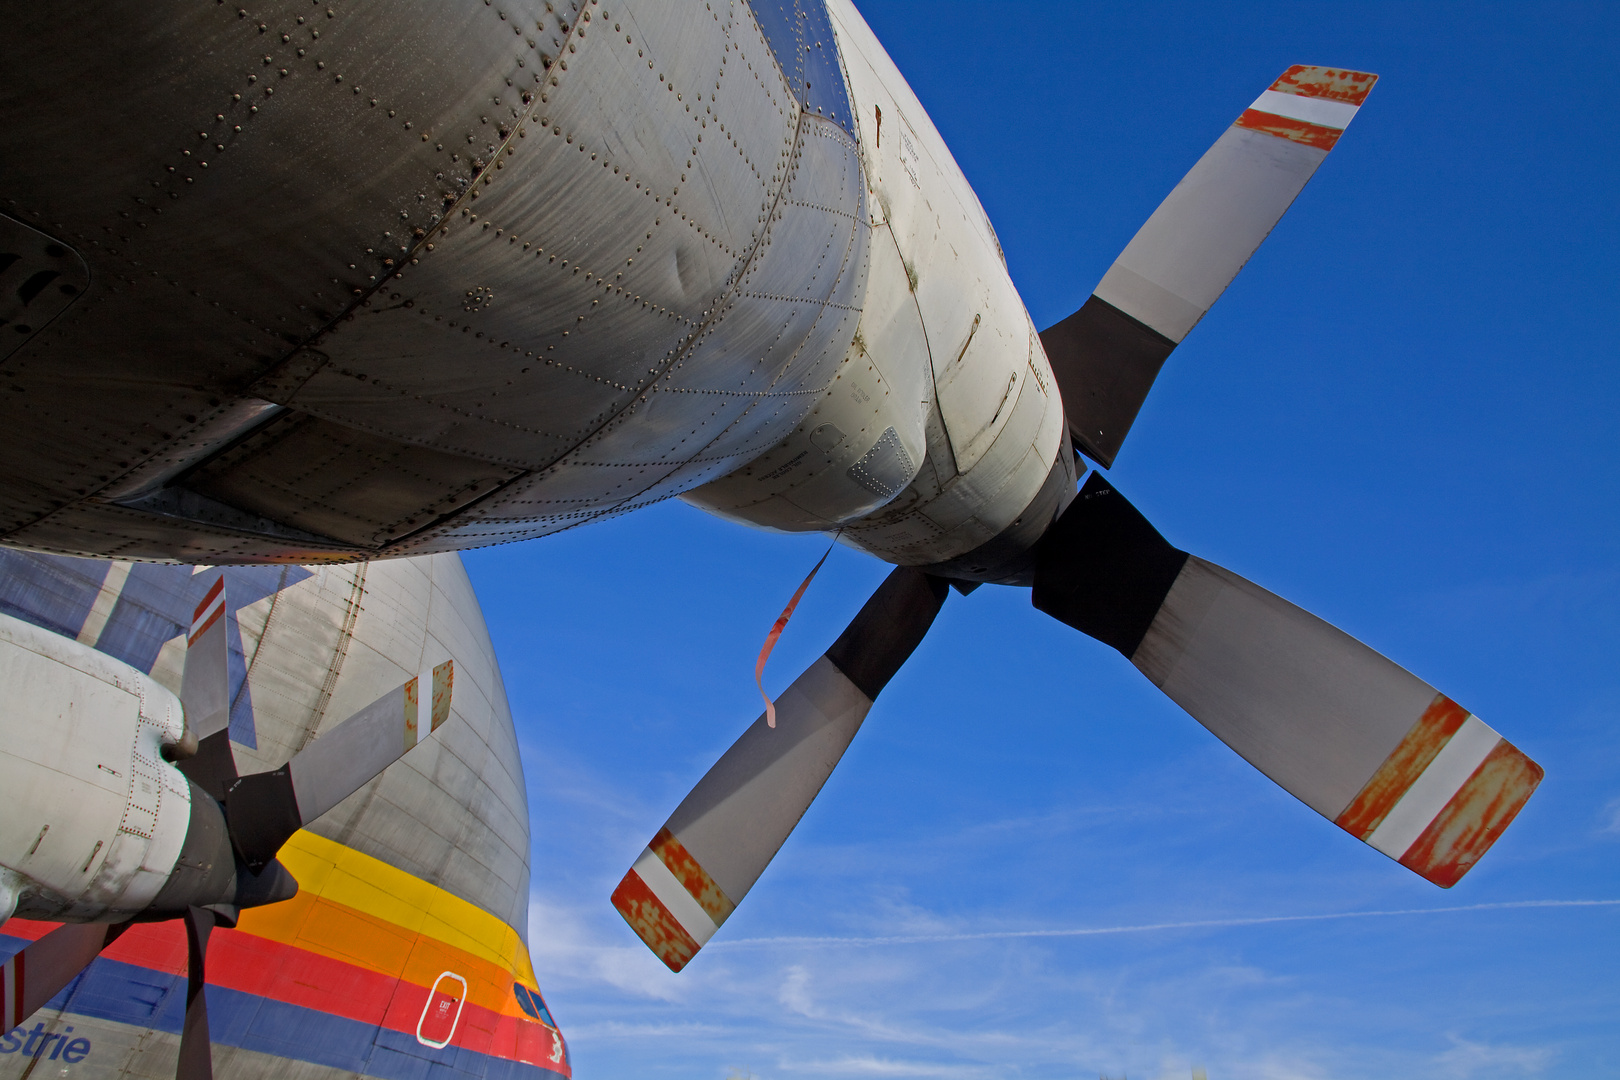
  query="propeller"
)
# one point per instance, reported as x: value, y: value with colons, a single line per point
x: 238, y: 824
x: 1354, y: 736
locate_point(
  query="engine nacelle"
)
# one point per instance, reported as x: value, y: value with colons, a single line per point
x: 95, y: 818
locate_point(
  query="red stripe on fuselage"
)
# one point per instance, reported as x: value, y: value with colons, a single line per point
x: 286, y: 973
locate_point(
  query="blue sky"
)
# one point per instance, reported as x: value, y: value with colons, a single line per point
x: 1402, y: 416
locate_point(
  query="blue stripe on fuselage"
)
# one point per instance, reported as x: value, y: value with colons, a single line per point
x: 143, y: 998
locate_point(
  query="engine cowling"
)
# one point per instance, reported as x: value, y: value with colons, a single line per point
x: 82, y: 740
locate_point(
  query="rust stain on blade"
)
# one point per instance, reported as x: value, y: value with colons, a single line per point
x: 410, y: 714
x: 693, y: 878
x: 1471, y: 822
x: 1335, y: 84
x: 444, y: 680
x: 1300, y: 131
x: 653, y: 923
x: 1417, y: 748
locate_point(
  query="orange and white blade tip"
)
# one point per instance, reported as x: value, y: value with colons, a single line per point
x: 208, y: 611
x: 671, y: 902
x: 1444, y: 795
x: 1309, y: 105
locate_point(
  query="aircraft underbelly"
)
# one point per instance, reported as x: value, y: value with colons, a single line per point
x: 391, y: 281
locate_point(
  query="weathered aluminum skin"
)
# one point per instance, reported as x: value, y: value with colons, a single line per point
x: 944, y: 328
x: 392, y: 279
x: 363, y: 282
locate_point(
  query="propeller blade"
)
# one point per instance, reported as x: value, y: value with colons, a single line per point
x: 196, y: 1048
x: 39, y: 972
x: 205, y: 750
x: 722, y: 836
x: 1106, y: 355
x: 1354, y: 736
x: 264, y: 809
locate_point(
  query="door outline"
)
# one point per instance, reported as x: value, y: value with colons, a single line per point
x: 461, y: 1003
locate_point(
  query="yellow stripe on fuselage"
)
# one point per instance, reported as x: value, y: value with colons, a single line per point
x: 363, y: 911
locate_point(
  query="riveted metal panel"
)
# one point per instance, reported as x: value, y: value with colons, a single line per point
x: 503, y: 250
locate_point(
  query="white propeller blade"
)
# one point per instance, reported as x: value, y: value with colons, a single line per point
x: 1353, y: 735
x: 720, y: 839
x: 205, y: 750
x: 264, y: 809
x: 1106, y: 355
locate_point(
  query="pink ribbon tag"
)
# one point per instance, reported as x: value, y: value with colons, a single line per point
x: 776, y: 632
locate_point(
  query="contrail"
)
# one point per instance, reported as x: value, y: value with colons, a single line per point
x: 1143, y: 928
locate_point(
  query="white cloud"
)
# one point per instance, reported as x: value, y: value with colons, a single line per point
x: 566, y: 945
x: 1610, y: 819
x: 871, y: 1065
x: 1468, y: 1059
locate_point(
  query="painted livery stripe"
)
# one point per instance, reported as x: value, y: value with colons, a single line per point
x: 693, y: 878
x: 362, y: 942
x: 396, y: 903
x: 361, y: 912
x: 123, y: 993
x: 333, y: 986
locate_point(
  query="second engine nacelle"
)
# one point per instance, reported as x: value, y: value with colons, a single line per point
x: 95, y: 818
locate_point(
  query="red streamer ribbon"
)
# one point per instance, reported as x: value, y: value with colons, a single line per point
x: 776, y: 632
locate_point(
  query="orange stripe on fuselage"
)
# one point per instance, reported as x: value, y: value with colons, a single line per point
x: 363, y: 940
x: 270, y: 969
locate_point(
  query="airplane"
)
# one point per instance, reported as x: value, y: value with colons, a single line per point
x: 332, y: 288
